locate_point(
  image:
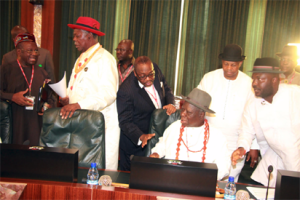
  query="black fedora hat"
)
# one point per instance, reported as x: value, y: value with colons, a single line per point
x: 232, y: 52
x: 288, y: 51
x: 266, y: 65
x: 200, y: 99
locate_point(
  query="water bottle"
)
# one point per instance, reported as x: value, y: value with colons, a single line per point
x: 230, y: 189
x: 93, y: 175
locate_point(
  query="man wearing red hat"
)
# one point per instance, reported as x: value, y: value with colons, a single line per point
x: 288, y: 63
x: 230, y: 89
x: 273, y: 117
x: 20, y: 84
x: 94, y: 84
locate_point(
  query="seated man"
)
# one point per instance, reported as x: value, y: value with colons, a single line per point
x: 192, y: 138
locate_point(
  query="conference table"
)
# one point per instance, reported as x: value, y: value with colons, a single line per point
x: 42, y: 189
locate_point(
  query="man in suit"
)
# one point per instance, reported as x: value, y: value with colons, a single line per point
x: 140, y: 94
x: 44, y: 60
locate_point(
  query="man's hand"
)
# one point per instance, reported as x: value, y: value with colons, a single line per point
x: 64, y: 101
x: 170, y: 109
x: 19, y: 99
x: 253, y: 154
x: 154, y: 155
x: 68, y: 110
x: 237, y: 154
x: 145, y: 137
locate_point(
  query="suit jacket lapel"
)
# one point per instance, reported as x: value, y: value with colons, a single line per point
x: 144, y: 94
x: 159, y: 89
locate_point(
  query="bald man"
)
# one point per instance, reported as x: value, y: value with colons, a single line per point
x: 126, y: 60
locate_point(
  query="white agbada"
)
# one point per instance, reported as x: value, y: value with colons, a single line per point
x: 229, y: 98
x: 95, y: 88
x: 216, y: 152
x: 276, y: 126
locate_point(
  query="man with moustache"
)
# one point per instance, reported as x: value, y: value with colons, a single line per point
x: 126, y: 60
x: 20, y: 84
x: 273, y: 117
x: 94, y: 84
x: 143, y: 91
x: 192, y: 138
x: 230, y: 89
x: 288, y: 63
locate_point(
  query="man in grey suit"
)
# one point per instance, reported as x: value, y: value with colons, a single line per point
x: 44, y: 60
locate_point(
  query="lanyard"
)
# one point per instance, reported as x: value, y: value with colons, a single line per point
x: 122, y: 79
x: 153, y: 96
x: 26, y: 78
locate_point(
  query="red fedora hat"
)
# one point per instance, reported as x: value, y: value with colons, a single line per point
x: 88, y: 24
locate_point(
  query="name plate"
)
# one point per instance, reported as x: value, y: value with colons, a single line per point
x: 35, y: 162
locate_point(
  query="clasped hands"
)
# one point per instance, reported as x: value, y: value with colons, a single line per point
x: 240, y: 153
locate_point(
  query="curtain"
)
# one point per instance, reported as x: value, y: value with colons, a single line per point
x: 101, y: 10
x: 154, y: 29
x: 210, y: 25
x: 9, y: 17
x: 282, y: 26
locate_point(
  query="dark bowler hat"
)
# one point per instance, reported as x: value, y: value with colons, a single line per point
x: 88, y: 24
x: 200, y: 99
x: 266, y: 65
x: 232, y: 52
x: 288, y: 51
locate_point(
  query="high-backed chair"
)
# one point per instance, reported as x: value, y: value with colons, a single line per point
x: 85, y: 131
x: 5, y: 122
x: 160, y: 121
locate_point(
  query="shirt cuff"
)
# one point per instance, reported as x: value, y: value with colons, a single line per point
x: 139, y: 142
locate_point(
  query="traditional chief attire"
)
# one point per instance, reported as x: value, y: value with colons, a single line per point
x: 123, y: 75
x: 193, y: 137
x: 276, y: 126
x: 95, y: 88
x: 228, y: 101
x: 27, y: 124
x: 293, y: 78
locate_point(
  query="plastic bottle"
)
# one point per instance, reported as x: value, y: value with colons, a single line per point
x: 230, y: 189
x: 93, y: 175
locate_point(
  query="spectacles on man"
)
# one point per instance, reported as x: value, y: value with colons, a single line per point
x: 32, y: 51
x: 122, y: 50
x: 150, y: 75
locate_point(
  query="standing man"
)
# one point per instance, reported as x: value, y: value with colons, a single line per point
x: 192, y: 138
x: 230, y: 89
x: 20, y: 82
x: 44, y: 60
x: 288, y: 63
x: 144, y: 91
x: 126, y: 60
x: 94, y: 84
x: 273, y: 117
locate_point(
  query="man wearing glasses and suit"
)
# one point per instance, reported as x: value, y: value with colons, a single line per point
x: 140, y: 94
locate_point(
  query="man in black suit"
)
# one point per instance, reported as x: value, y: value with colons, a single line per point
x: 140, y: 94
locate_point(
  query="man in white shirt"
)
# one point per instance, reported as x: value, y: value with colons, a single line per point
x: 194, y: 139
x: 230, y: 89
x: 94, y: 84
x: 273, y: 117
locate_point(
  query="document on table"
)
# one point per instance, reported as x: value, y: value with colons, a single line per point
x: 260, y: 193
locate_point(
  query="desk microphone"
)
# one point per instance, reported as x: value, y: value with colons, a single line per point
x: 270, y: 169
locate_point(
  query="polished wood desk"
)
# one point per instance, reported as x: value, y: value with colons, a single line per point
x: 40, y: 189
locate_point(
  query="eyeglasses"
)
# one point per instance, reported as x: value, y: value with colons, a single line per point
x: 32, y: 51
x: 151, y: 75
x: 122, y: 50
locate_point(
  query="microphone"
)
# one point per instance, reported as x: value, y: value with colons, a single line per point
x: 270, y: 169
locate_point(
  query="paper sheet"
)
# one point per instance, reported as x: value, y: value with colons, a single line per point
x: 260, y: 193
x: 60, y: 87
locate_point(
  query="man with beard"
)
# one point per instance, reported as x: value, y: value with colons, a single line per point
x: 192, y: 138
x: 126, y: 60
x: 273, y: 117
x: 94, y: 84
x: 20, y: 84
x: 288, y: 63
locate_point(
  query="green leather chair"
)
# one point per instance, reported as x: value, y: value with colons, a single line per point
x: 84, y: 131
x: 5, y: 122
x: 160, y: 121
